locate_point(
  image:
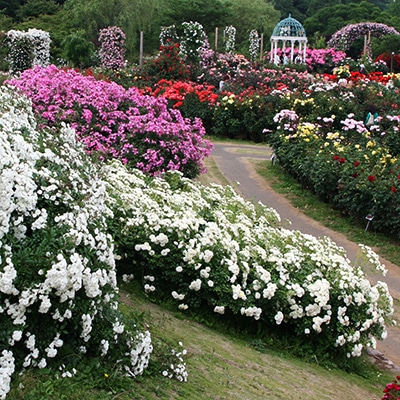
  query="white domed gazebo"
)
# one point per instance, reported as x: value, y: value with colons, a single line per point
x: 289, y: 32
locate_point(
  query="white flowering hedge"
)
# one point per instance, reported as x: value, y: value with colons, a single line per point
x: 58, y: 290
x: 230, y: 39
x: 209, y: 248
x: 27, y: 49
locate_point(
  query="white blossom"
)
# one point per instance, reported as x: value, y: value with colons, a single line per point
x: 279, y: 317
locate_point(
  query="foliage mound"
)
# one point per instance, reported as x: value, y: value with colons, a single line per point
x: 206, y: 248
x: 58, y: 288
x: 114, y: 122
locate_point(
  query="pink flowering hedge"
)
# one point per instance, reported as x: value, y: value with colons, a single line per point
x: 343, y: 38
x: 114, y: 122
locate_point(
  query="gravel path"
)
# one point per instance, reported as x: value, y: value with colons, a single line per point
x: 233, y: 161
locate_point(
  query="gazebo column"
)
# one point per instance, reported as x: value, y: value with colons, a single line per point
x: 274, y: 49
x: 272, y: 56
x: 292, y: 52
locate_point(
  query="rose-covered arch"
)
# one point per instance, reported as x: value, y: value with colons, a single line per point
x: 343, y: 38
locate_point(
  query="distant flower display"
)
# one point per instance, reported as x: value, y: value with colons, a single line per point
x: 343, y: 38
x: 192, y: 40
x: 168, y: 35
x: 28, y: 49
x: 112, y: 53
x: 230, y: 39
x: 254, y: 45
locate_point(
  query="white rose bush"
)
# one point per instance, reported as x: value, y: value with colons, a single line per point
x: 58, y: 287
x: 27, y: 49
x: 208, y: 248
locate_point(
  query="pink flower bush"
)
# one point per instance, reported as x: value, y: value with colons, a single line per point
x: 317, y: 60
x: 343, y: 38
x: 112, y: 51
x: 324, y: 58
x: 114, y: 122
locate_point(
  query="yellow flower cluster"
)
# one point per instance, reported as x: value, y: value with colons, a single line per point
x: 229, y: 99
x: 303, y: 103
x: 342, y: 72
x: 387, y: 159
x: 305, y: 131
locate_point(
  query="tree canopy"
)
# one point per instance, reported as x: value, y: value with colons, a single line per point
x: 209, y: 13
x: 329, y: 20
x: 321, y: 18
x: 257, y: 14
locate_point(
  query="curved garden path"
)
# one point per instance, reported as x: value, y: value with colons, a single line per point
x: 233, y: 161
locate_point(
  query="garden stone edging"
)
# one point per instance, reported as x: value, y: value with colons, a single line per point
x: 232, y: 160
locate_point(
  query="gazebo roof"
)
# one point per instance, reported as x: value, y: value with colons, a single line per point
x: 289, y: 27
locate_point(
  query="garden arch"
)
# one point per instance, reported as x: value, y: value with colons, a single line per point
x: 288, y: 30
x: 343, y: 38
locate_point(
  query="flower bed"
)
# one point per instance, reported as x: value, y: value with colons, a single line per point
x: 208, y: 248
x: 322, y: 139
x: 114, y: 122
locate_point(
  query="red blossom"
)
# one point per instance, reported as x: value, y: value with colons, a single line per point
x: 393, y: 189
x: 371, y: 178
x: 357, y: 163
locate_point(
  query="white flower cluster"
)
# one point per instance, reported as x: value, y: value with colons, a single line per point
x: 177, y: 369
x: 229, y: 254
x: 254, y: 44
x: 65, y: 373
x: 372, y: 258
x: 28, y: 49
x: 55, y: 251
x: 168, y: 34
x: 139, y: 354
x: 7, y: 368
x: 230, y: 39
x: 192, y: 40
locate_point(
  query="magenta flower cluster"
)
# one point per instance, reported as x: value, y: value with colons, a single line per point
x: 317, y: 59
x: 343, y: 38
x: 112, y: 52
x: 113, y: 122
x: 323, y: 57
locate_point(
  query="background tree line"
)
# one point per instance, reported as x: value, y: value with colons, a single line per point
x: 76, y: 23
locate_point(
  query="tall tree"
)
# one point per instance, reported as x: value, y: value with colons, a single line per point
x: 326, y: 21
x: 78, y: 50
x: 296, y: 8
x: 257, y: 14
x: 10, y: 7
x: 209, y: 13
x: 393, y: 8
x: 34, y: 8
x: 132, y: 16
